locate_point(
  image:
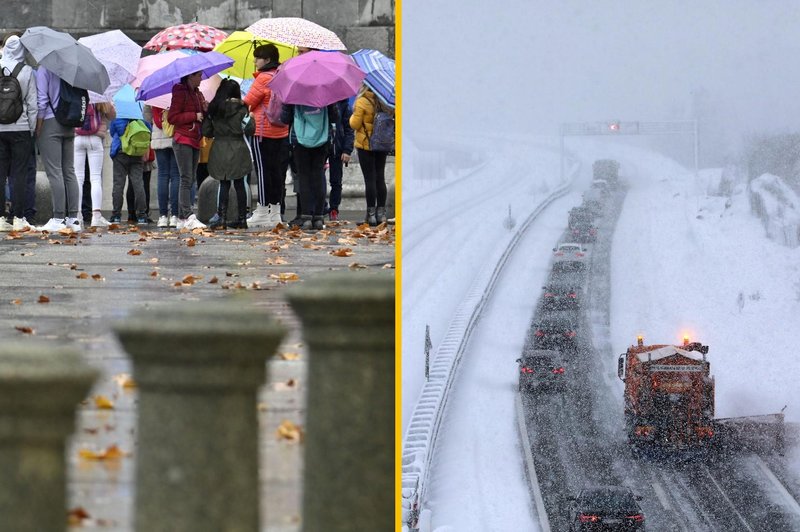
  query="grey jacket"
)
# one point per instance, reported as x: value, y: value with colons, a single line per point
x: 12, y: 54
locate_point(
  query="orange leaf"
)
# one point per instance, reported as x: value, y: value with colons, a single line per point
x: 82, y: 275
x: 16, y: 301
x: 191, y: 242
x: 285, y: 277
x: 97, y: 277
x: 135, y: 252
x: 76, y: 516
x: 24, y: 330
x: 153, y: 274
x: 124, y: 380
x: 290, y: 356
x: 289, y: 431
x: 342, y: 252
x: 44, y: 299
x: 213, y: 280
x: 111, y: 453
x: 103, y: 403
x: 190, y: 279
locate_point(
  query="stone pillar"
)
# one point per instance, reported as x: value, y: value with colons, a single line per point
x: 198, y: 367
x: 40, y: 386
x: 348, y: 323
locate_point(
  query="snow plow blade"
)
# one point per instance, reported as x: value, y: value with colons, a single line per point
x: 766, y: 433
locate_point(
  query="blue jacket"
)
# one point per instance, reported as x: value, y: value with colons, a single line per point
x: 117, y: 129
x: 344, y: 135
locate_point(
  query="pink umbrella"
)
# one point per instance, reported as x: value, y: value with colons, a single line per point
x: 296, y: 31
x: 151, y: 63
x: 191, y: 36
x: 317, y: 79
x: 208, y: 87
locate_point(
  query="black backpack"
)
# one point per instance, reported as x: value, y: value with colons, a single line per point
x: 72, y: 105
x: 10, y: 95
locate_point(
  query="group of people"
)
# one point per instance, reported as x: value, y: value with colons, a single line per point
x: 245, y: 141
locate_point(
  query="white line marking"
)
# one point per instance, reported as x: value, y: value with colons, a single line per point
x: 790, y: 501
x: 733, y: 507
x: 661, y: 495
x: 544, y: 520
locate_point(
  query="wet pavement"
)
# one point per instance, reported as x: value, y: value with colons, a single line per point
x: 88, y: 281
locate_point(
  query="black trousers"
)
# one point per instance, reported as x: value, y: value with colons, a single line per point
x: 372, y: 165
x: 15, y: 154
x: 310, y: 163
x: 241, y: 197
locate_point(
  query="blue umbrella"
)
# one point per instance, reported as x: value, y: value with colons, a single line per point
x: 126, y: 105
x: 162, y: 80
x: 380, y: 73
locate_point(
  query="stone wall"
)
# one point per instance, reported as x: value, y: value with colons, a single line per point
x: 359, y: 23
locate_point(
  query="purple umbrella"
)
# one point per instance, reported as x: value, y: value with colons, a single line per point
x: 317, y: 79
x: 162, y: 80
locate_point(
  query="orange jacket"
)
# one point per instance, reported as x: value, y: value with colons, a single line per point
x: 257, y: 100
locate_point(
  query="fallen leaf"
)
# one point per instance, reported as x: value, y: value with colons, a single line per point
x: 91, y: 430
x: 82, y: 275
x: 16, y: 301
x: 190, y: 279
x: 98, y: 277
x: 24, y: 330
x: 73, y: 266
x: 262, y: 407
x: 103, y: 403
x: 113, y: 226
x: 290, y: 356
x: 120, y: 269
x: 285, y: 277
x: 387, y: 267
x: 153, y: 274
x: 111, y: 453
x: 289, y: 431
x: 191, y: 242
x: 154, y: 260
x: 213, y: 280
x: 43, y: 299
x: 135, y: 252
x: 356, y: 266
x: 342, y: 252
x: 124, y: 380
x: 276, y: 261
x: 76, y: 516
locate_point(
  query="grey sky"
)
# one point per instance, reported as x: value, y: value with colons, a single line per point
x: 534, y: 64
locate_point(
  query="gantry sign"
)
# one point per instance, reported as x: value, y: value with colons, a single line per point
x: 617, y: 127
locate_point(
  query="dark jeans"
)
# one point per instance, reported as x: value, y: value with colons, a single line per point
x: 372, y: 165
x: 86, y: 198
x: 130, y: 196
x: 335, y: 172
x: 126, y: 167
x: 310, y: 163
x: 169, y: 178
x: 187, y: 159
x: 15, y: 153
x: 271, y: 160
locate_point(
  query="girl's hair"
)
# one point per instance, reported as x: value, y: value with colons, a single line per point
x: 267, y: 51
x: 228, y: 89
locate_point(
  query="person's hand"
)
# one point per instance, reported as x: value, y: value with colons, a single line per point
x: 199, y: 117
x: 345, y: 157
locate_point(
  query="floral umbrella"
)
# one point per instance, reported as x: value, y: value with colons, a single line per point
x: 191, y: 36
x: 297, y: 32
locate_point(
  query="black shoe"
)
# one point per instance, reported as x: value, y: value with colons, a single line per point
x: 115, y: 219
x: 220, y: 223
x: 296, y: 222
x: 380, y: 215
x: 240, y: 224
x: 317, y: 223
x: 142, y: 220
x: 371, y: 218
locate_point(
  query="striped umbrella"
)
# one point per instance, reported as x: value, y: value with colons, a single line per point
x: 380, y: 73
x: 296, y: 31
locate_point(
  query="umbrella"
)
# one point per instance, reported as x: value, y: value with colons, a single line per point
x: 161, y: 81
x: 317, y: 79
x: 296, y: 31
x: 208, y: 87
x: 119, y: 55
x: 65, y: 57
x: 151, y: 63
x: 239, y: 46
x: 380, y: 73
x: 192, y: 36
x: 126, y: 105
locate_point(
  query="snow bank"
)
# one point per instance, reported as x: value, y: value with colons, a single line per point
x: 778, y: 207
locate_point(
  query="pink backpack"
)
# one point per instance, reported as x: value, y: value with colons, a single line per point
x: 91, y: 124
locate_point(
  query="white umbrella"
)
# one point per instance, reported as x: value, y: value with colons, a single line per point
x: 119, y: 54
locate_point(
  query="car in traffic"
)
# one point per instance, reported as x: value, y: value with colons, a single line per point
x: 569, y: 257
x: 606, y: 507
x: 541, y: 371
x: 556, y: 329
x: 562, y: 292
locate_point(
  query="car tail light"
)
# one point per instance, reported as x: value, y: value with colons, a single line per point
x: 539, y: 333
x: 558, y: 371
x: 588, y: 518
x: 704, y: 432
x: 643, y: 430
x: 560, y: 254
x: 638, y: 518
x: 575, y: 231
x: 592, y: 232
x: 579, y: 254
x: 570, y: 334
x: 523, y: 369
x: 548, y: 294
x: 573, y: 295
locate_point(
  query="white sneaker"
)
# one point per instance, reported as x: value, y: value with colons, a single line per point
x: 163, y: 221
x: 53, y: 225
x: 173, y: 221
x: 21, y: 224
x: 74, y: 224
x: 99, y: 221
x: 180, y: 224
x: 193, y: 223
x: 275, y: 214
x: 4, y: 225
x: 262, y: 216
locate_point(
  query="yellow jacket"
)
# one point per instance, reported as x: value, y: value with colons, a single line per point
x: 362, y: 118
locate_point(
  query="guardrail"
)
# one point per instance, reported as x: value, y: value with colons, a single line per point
x: 423, y: 428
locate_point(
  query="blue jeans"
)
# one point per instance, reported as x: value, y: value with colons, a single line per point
x: 168, y: 180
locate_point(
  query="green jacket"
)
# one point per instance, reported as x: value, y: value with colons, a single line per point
x: 230, y: 156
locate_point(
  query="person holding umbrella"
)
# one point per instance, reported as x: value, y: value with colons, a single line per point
x: 270, y: 144
x: 372, y: 162
x: 186, y: 112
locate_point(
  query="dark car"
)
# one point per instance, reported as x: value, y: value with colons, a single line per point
x: 606, y: 508
x: 562, y: 293
x: 569, y: 257
x: 556, y: 330
x: 541, y: 370
x: 584, y: 233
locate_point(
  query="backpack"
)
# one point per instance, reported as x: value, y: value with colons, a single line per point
x: 382, y: 138
x: 91, y: 124
x: 274, y: 110
x: 136, y: 139
x: 72, y: 105
x: 10, y: 95
x: 311, y: 125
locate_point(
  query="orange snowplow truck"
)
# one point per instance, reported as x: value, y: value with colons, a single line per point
x: 669, y: 395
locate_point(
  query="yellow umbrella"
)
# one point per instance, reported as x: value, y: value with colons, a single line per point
x: 239, y: 46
